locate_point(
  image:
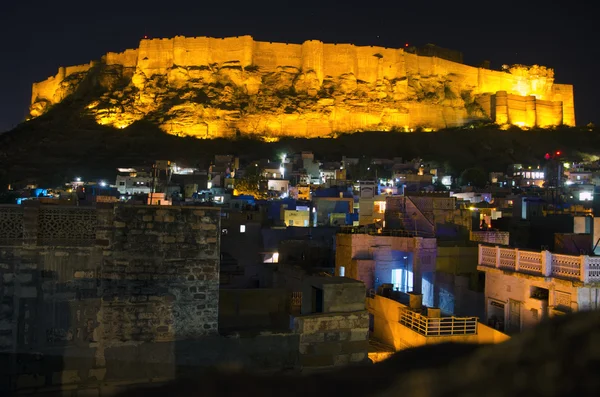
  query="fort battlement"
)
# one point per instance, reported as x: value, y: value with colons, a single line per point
x: 391, y: 74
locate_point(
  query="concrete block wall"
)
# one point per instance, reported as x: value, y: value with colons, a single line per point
x: 333, y: 339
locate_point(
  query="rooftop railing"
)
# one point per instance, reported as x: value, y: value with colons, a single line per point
x: 438, y: 326
x: 582, y: 268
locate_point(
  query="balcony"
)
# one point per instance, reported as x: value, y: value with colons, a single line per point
x: 582, y: 268
x: 397, y: 326
x: 440, y: 326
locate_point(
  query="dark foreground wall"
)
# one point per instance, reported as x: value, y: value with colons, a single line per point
x: 103, y: 286
x: 75, y: 370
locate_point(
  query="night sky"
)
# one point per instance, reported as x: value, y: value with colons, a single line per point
x: 39, y: 36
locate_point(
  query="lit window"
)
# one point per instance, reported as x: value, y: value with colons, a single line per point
x: 586, y: 196
x: 402, y: 280
x: 276, y: 257
x: 578, y: 177
x: 342, y: 271
x: 242, y: 228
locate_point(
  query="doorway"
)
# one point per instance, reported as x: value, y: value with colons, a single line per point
x: 496, y: 315
x: 514, y: 316
x: 317, y: 300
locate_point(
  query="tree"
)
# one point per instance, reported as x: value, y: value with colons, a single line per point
x: 250, y: 183
x: 438, y: 186
x: 475, y: 177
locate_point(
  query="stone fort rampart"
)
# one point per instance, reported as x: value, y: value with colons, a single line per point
x: 368, y: 64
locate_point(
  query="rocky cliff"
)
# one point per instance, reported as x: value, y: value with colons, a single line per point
x: 209, y: 88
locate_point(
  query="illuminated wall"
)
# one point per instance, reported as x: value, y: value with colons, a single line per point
x: 521, y: 95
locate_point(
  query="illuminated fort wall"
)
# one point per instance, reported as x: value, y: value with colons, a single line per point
x: 514, y: 97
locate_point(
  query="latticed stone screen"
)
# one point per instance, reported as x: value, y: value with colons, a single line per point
x: 11, y: 225
x: 67, y: 226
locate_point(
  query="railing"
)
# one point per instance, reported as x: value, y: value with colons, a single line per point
x: 507, y: 259
x: 594, y: 270
x: 546, y: 264
x: 487, y: 255
x: 566, y: 266
x: 442, y: 326
x: 530, y: 262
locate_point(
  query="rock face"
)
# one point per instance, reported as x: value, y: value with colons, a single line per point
x: 207, y: 88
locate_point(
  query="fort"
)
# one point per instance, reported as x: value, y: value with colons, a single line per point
x: 218, y: 87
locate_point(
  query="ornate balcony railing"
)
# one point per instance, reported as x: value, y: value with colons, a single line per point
x: 582, y: 268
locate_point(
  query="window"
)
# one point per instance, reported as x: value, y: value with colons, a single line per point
x: 342, y: 271
x: 402, y: 280
x: 379, y: 207
x: 242, y: 228
x: 121, y: 183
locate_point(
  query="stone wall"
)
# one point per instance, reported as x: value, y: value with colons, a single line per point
x: 419, y: 91
x: 491, y: 237
x: 332, y: 339
x: 100, y: 292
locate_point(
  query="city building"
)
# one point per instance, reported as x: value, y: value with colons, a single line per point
x: 523, y: 288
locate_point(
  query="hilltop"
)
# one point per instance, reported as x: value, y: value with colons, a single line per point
x: 225, y: 88
x: 61, y: 145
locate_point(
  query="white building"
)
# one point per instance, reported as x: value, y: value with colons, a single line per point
x: 128, y: 184
x: 473, y: 197
x: 279, y: 185
x: 525, y: 287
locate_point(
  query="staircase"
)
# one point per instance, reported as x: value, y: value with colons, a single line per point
x: 415, y: 220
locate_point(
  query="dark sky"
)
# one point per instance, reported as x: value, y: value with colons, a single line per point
x: 39, y: 36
